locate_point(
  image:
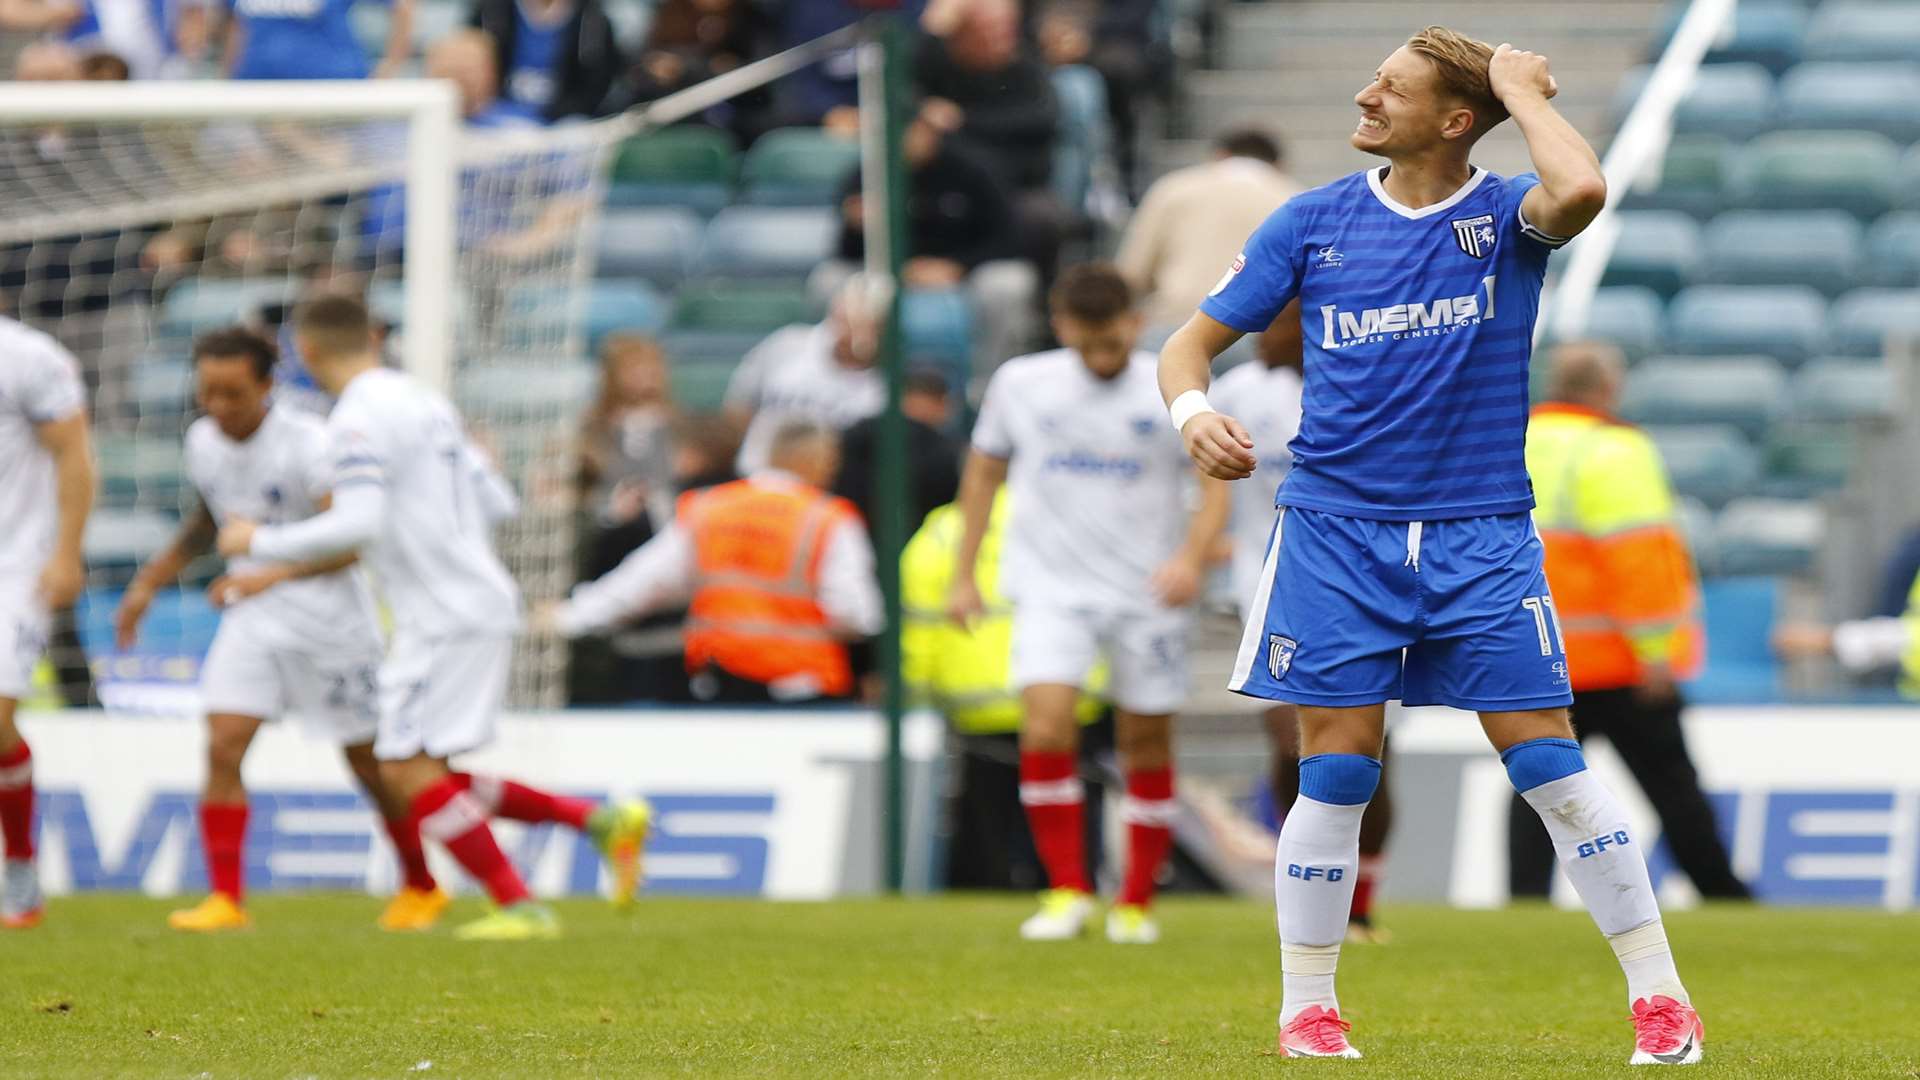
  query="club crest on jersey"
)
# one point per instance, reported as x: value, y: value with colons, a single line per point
x: 1280, y: 652
x: 1474, y: 235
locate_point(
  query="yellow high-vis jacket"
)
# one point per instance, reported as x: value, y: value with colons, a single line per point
x: 1622, y: 578
x: 1868, y: 644
x: 965, y: 674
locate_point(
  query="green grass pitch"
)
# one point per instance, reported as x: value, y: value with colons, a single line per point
x: 921, y: 988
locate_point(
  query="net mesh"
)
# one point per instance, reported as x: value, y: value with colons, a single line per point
x: 125, y: 240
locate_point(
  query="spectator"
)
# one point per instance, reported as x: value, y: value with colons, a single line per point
x: 983, y: 87
x: 1193, y: 221
x: 1115, y: 38
x: 1627, y: 610
x: 692, y: 40
x: 825, y: 93
x: 469, y: 60
x: 104, y: 67
x: 626, y: 481
x: 933, y: 461
x: 46, y: 61
x: 154, y: 39
x: 820, y: 373
x: 309, y: 39
x: 758, y: 631
x: 553, y: 58
x: 959, y: 231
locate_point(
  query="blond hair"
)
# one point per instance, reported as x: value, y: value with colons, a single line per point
x: 1460, y: 65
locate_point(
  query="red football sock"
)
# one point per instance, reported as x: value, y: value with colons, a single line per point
x: 1364, y: 880
x: 518, y: 802
x: 449, y: 814
x: 1148, y: 813
x: 1055, y: 804
x: 223, y: 836
x: 16, y: 801
x: 405, y: 833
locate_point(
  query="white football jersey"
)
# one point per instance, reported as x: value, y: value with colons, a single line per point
x: 39, y: 383
x: 1099, y: 480
x: 1266, y: 401
x: 277, y: 475
x: 792, y: 375
x: 434, y: 557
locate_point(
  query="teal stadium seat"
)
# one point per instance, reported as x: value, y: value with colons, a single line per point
x: 716, y: 323
x: 1786, y: 322
x: 196, y: 305
x: 1852, y: 96
x: 1656, y: 249
x: 1860, y: 322
x: 118, y: 540
x: 1761, y: 535
x: 937, y: 326
x: 1821, y: 248
x: 1893, y: 250
x: 140, y: 470
x: 689, y: 166
x: 1084, y: 133
x: 1628, y: 316
x: 1804, y: 460
x: 1740, y: 668
x: 1866, y: 30
x: 1696, y: 524
x: 1709, y: 462
x: 1856, y: 171
x: 542, y: 313
x: 162, y: 389
x: 179, y: 623
x: 656, y: 243
x: 1908, y: 185
x: 768, y: 241
x: 513, y: 391
x: 1843, y: 389
x: 1748, y: 392
x: 797, y: 167
x: 1768, y: 34
x: 1734, y: 100
x: 1692, y: 178
x: 700, y: 388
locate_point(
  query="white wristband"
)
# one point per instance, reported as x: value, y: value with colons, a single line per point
x: 1187, y: 406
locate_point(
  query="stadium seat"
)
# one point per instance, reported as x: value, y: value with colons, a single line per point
x: 767, y: 241
x: 655, y: 243
x: 135, y: 470
x: 1740, y: 615
x: 506, y: 391
x: 200, y: 304
x: 180, y: 622
x: 1806, y: 460
x: 1691, y: 178
x: 1852, y: 96
x: 937, y: 325
x: 1768, y: 34
x: 700, y: 387
x: 1711, y: 462
x: 1084, y: 135
x: 696, y: 348
x: 1856, y: 171
x: 1628, y: 316
x: 752, y: 306
x: 1656, y: 249
x: 1748, y: 392
x: 689, y: 165
x: 1786, y: 322
x: 387, y: 302
x: 1839, y: 389
x: 1734, y: 100
x: 1909, y: 181
x: 1760, y: 535
x: 117, y: 541
x: 1696, y: 524
x: 1864, y: 30
x: 1820, y: 248
x: 1860, y: 322
x: 1893, y: 250
x: 162, y: 389
x: 543, y: 313
x: 798, y: 167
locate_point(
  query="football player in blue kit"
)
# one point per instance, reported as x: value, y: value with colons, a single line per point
x: 1403, y: 562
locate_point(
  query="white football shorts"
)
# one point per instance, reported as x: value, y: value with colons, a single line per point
x: 441, y: 696
x: 23, y: 637
x: 333, y: 694
x: 1146, y: 651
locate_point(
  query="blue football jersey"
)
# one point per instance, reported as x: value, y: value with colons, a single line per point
x: 1418, y: 327
x: 298, y: 39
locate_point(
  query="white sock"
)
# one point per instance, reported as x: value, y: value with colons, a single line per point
x: 1313, y: 875
x: 1600, y: 855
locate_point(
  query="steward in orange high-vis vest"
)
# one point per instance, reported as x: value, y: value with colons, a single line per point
x: 778, y: 577
x: 1628, y: 606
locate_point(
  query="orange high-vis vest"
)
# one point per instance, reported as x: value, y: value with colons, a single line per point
x: 757, y: 550
x: 1622, y: 577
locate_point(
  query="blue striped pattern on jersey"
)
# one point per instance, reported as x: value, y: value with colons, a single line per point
x: 1418, y: 327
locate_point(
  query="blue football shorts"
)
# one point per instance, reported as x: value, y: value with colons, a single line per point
x: 1351, y: 611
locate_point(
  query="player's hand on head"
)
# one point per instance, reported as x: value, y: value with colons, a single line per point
x: 1516, y: 71
x: 61, y: 579
x: 236, y: 537
x: 1219, y: 446
x: 964, y: 603
x: 126, y: 618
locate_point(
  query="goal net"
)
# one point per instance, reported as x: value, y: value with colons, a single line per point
x: 141, y: 216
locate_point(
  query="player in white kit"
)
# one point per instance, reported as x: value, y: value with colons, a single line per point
x: 411, y: 494
x: 46, y: 491
x: 1098, y: 559
x: 294, y: 638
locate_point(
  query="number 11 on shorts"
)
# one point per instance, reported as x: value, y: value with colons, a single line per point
x: 1546, y: 620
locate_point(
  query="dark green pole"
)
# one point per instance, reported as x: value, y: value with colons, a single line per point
x: 890, y: 500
